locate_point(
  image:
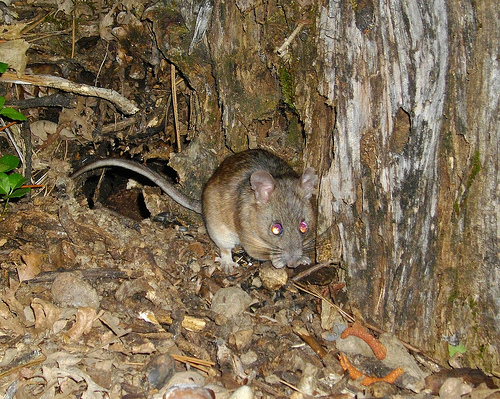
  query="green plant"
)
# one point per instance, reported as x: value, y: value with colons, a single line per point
x: 454, y: 349
x: 10, y: 184
x: 5, y: 111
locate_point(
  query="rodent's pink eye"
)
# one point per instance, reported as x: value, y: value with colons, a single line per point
x: 303, y: 227
x: 276, y: 229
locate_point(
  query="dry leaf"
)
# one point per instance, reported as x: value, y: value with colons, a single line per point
x: 31, y: 268
x: 8, y: 322
x: 9, y: 297
x: 106, y: 23
x: 79, y: 124
x: 197, y: 248
x: 62, y: 255
x: 13, y: 53
x: 85, y: 318
x: 12, y: 32
x: 43, y: 128
x: 46, y: 314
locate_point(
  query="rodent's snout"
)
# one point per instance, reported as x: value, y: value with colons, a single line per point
x: 290, y: 260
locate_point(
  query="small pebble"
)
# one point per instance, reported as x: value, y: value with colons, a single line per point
x: 273, y: 279
x: 70, y: 290
x: 188, y: 392
x: 454, y: 388
x: 249, y: 358
x: 354, y: 346
x: 230, y: 302
x: 160, y: 370
x: 398, y: 356
x: 186, y: 378
x: 244, y: 392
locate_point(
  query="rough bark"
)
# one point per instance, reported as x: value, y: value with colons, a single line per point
x: 413, y: 185
x: 389, y: 77
x: 469, y: 268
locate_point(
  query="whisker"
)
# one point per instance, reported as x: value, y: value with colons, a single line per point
x: 263, y: 246
x: 309, y: 244
x: 269, y: 250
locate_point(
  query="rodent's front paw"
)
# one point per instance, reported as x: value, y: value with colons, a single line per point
x: 226, y: 260
x: 226, y: 265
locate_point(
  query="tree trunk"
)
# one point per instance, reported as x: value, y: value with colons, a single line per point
x: 396, y: 104
x: 413, y: 187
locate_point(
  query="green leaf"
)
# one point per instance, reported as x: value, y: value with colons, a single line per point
x: 4, y: 184
x: 3, y: 67
x: 454, y: 349
x: 8, y: 162
x: 19, y: 192
x: 16, y: 180
x: 12, y: 114
x: 2, y: 101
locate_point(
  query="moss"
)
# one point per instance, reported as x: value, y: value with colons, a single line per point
x: 452, y: 297
x: 287, y: 87
x: 276, y: 18
x: 473, y: 307
x: 293, y: 131
x: 474, y: 313
x: 172, y: 23
x: 474, y: 170
x: 447, y: 142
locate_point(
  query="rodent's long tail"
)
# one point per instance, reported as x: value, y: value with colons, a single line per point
x: 155, y: 177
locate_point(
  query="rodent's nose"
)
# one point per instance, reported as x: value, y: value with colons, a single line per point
x: 295, y: 261
x: 290, y: 259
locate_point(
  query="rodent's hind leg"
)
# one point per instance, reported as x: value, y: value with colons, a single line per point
x: 226, y: 260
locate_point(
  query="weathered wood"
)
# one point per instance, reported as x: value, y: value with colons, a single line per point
x: 389, y: 75
x: 469, y: 198
x: 413, y: 186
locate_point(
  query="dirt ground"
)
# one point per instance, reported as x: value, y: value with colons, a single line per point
x: 103, y: 295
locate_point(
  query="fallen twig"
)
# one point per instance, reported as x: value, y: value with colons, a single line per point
x: 314, y: 292
x: 174, y: 103
x: 199, y: 364
x: 282, y: 50
x: 312, y: 270
x: 122, y: 103
x: 311, y: 341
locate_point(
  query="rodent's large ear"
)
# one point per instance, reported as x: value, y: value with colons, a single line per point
x: 308, y: 182
x: 263, y: 185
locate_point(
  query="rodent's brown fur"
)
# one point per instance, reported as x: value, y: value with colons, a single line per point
x: 247, y: 194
